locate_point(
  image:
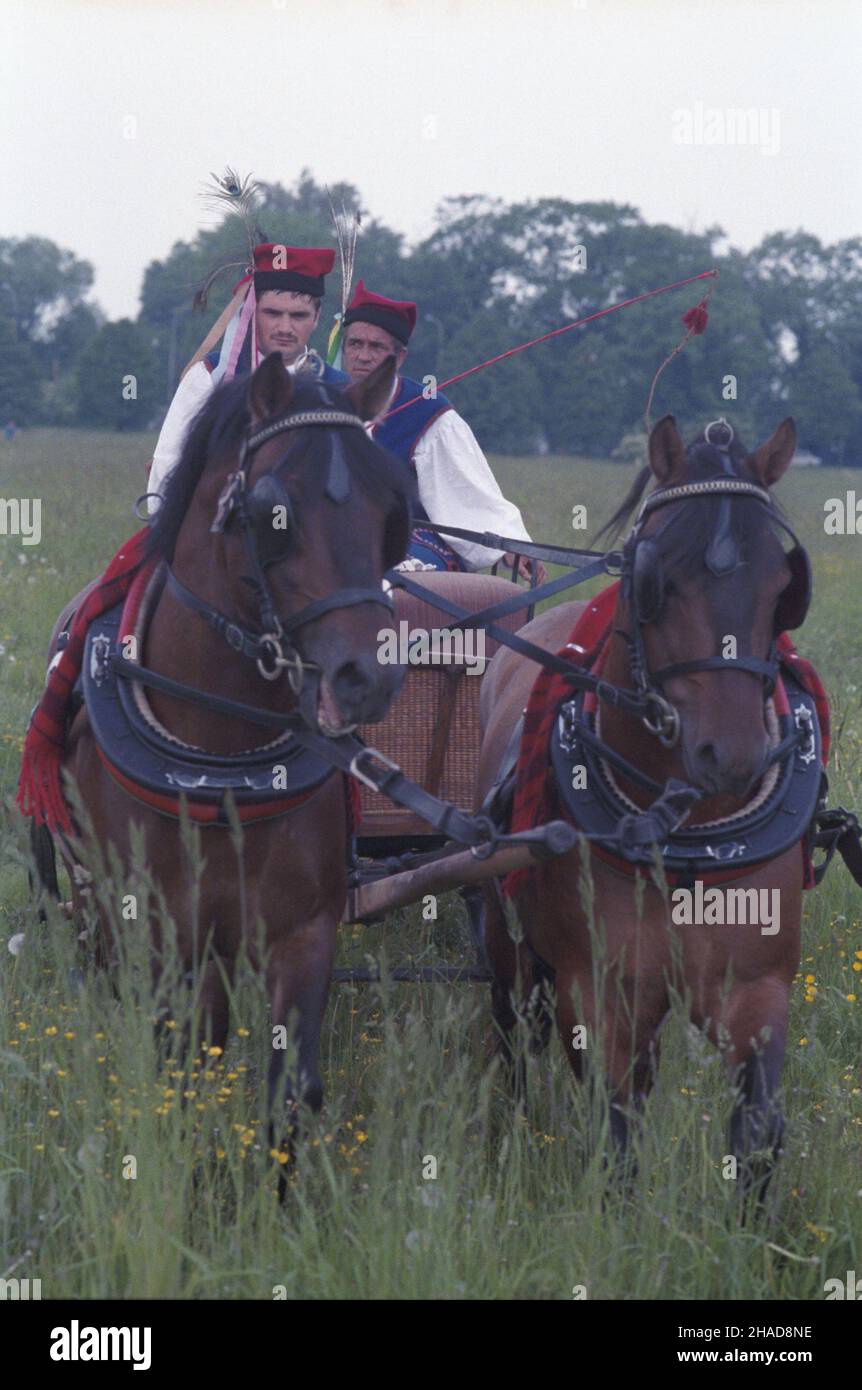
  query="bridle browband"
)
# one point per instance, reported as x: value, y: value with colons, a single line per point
x: 267, y: 648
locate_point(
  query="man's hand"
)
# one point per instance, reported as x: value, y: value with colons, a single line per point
x: 409, y: 565
x: 525, y: 566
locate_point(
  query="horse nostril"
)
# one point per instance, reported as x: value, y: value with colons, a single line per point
x: 707, y: 755
x: 350, y: 680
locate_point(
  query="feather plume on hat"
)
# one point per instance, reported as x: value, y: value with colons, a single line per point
x: 347, y: 225
x: 238, y: 197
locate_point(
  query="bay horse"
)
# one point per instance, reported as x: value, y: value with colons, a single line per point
x: 696, y: 568
x: 275, y: 532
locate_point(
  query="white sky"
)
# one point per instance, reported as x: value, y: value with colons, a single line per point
x: 413, y: 100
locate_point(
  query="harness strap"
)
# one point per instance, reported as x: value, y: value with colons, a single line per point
x: 586, y: 736
x: 343, y: 598
x: 290, y: 721
x: 609, y: 755
x: 350, y: 755
x: 838, y: 829
x: 236, y: 636
x: 652, y: 827
x: 523, y: 599
x: 583, y: 680
x: 249, y: 643
x: 755, y: 665
x: 555, y: 554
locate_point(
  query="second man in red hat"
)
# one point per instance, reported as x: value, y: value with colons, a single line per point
x: 454, y: 481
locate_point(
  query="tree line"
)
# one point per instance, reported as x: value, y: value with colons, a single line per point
x: 784, y: 337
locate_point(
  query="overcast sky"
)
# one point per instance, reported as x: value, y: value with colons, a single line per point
x: 115, y: 111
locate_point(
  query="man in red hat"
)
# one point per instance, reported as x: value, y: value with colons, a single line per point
x: 278, y: 313
x: 454, y: 481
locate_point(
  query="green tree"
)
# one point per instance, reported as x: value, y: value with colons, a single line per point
x: 827, y: 404
x: 117, y: 378
x: 39, y: 284
x: 499, y: 403
x: 492, y: 275
x: 18, y: 381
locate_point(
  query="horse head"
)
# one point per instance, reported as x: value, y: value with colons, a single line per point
x: 708, y: 589
x: 299, y: 514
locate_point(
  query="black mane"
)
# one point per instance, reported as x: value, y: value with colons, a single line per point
x: 218, y: 429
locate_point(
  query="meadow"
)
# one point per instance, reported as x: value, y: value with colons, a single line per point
x: 519, y: 1208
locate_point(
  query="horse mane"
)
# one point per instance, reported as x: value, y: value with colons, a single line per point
x: 218, y: 429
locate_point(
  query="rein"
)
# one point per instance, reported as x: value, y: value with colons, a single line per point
x: 346, y: 752
x: 658, y: 715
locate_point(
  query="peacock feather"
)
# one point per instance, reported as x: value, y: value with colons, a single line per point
x: 237, y: 196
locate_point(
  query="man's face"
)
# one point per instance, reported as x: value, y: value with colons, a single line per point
x: 365, y: 347
x: 285, y: 321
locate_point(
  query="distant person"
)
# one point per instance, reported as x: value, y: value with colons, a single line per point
x: 454, y: 481
x: 10, y: 429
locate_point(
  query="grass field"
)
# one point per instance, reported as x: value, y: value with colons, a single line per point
x: 517, y: 1209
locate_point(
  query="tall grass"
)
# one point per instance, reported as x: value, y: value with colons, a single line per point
x: 520, y: 1205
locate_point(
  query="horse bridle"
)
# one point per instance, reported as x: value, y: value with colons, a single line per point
x: 643, y: 586
x: 267, y: 648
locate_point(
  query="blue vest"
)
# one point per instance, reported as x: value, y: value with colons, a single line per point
x: 323, y: 372
x: 402, y: 432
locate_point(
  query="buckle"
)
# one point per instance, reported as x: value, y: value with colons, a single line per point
x: 667, y: 724
x: 269, y: 642
x: 294, y: 666
x: 227, y: 501
x: 234, y: 637
x: 734, y: 849
x: 568, y: 729
x: 802, y: 716
x: 363, y: 777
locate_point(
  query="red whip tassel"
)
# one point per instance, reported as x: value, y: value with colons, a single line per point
x: 696, y: 319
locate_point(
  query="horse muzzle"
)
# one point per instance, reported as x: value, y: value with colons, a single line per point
x: 357, y: 691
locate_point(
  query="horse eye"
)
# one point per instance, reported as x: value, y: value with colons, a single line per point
x: 272, y: 516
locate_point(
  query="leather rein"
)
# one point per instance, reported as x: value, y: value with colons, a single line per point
x: 370, y: 767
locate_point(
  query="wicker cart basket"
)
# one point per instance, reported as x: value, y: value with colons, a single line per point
x: 432, y: 728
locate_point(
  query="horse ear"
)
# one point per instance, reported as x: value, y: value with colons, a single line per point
x: 270, y: 389
x: 667, y: 452
x: 771, y: 460
x: 370, y: 397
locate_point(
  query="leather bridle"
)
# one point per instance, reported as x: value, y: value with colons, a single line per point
x: 721, y: 558
x: 272, y: 648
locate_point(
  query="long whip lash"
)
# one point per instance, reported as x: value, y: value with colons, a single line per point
x: 579, y: 323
